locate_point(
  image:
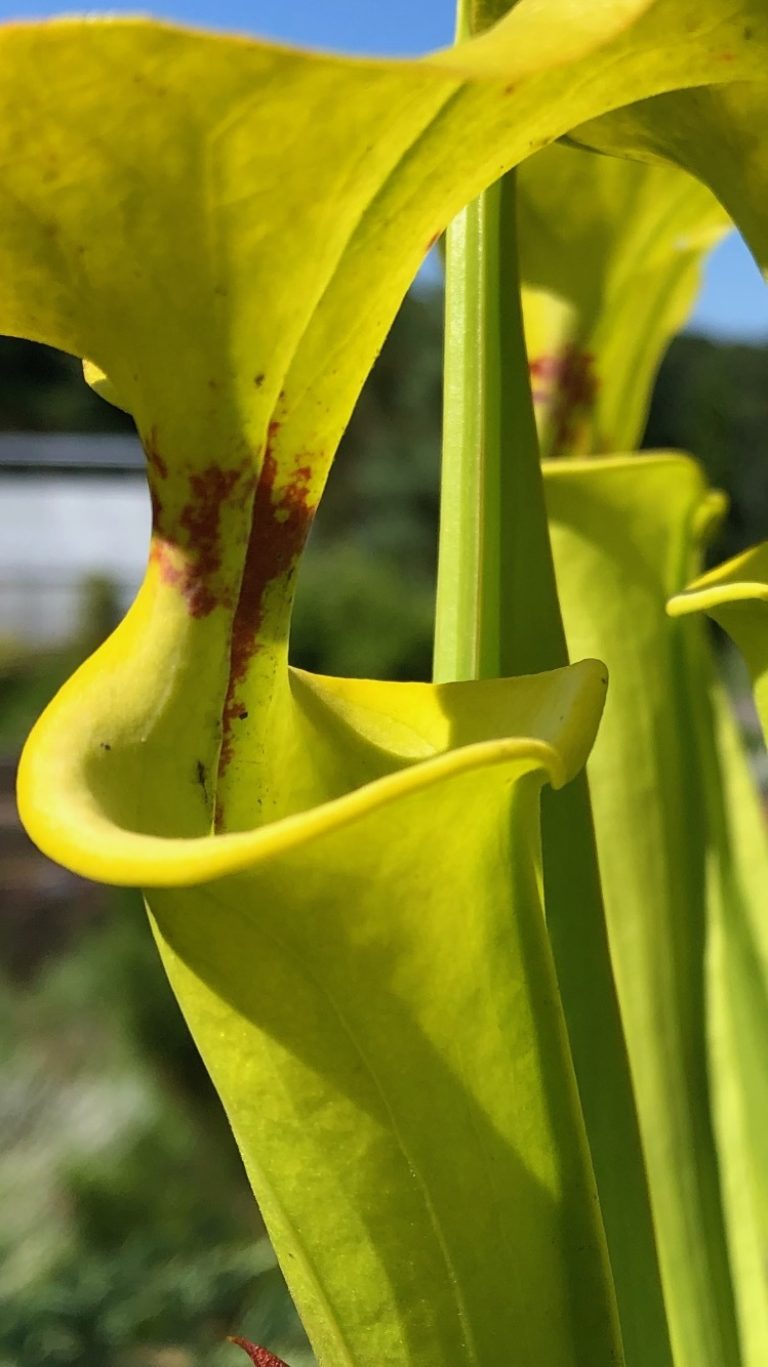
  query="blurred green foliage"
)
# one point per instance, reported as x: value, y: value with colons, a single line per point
x: 711, y: 399
x: 28, y: 680
x: 42, y: 390
x: 133, y: 1234
x: 130, y: 1238
x: 366, y: 593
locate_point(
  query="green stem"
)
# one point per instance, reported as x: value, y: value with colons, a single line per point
x: 497, y: 607
x: 498, y: 614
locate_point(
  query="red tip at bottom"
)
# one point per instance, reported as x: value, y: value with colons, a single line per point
x: 260, y: 1357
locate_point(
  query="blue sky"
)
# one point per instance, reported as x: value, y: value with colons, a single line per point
x: 733, y: 302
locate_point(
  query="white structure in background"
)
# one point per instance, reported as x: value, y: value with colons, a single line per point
x: 70, y: 507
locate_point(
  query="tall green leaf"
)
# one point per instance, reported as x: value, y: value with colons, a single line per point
x: 625, y: 535
x: 611, y: 254
x: 733, y: 595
